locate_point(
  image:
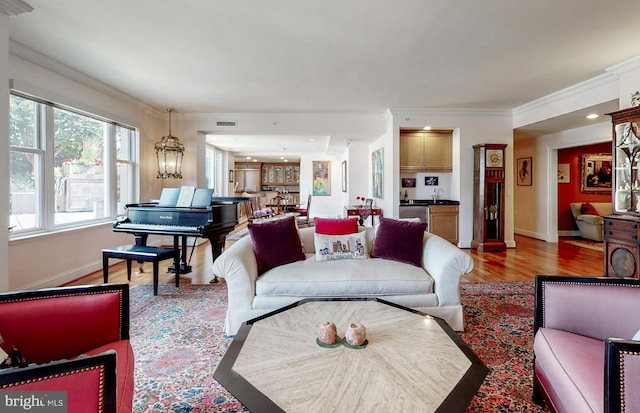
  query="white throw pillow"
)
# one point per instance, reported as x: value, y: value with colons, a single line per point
x: 636, y: 337
x: 339, y: 247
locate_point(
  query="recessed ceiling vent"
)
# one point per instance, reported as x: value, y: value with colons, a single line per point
x: 226, y: 123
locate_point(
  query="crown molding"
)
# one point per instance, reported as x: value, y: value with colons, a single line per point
x: 14, y: 7
x: 624, y: 67
x: 445, y: 111
x: 606, y: 79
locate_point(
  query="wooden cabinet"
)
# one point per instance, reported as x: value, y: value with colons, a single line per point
x: 442, y: 220
x: 425, y: 151
x: 488, y: 197
x: 247, y: 178
x: 621, y: 252
x: 622, y: 227
x: 280, y: 174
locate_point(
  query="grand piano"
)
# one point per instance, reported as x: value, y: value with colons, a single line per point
x: 212, y: 222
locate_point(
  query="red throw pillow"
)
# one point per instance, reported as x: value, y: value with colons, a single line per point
x: 276, y: 243
x: 399, y: 241
x: 587, y: 209
x: 336, y: 226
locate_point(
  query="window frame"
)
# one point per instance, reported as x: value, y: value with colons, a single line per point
x: 45, y: 186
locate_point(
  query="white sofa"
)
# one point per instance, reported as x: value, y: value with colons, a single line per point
x: 591, y: 226
x: 433, y: 288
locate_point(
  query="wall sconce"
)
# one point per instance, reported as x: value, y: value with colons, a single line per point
x: 169, y: 152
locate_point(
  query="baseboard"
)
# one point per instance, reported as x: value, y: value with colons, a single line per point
x: 75, y: 273
x: 530, y: 234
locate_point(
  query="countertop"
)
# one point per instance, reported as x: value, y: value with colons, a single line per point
x: 428, y: 202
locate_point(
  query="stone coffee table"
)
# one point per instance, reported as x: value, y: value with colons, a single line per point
x: 412, y: 362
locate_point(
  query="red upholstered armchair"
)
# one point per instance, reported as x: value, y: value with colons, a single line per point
x: 75, y: 339
x: 586, y: 359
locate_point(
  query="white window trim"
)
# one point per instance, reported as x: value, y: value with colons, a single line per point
x: 46, y: 204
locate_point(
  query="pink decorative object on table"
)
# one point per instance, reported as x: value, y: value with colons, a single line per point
x: 327, y: 333
x: 356, y: 334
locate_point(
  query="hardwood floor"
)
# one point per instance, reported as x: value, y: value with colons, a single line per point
x: 531, y: 257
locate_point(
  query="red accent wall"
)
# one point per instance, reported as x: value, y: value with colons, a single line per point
x: 570, y: 192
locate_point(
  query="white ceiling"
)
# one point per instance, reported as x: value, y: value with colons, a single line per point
x: 332, y: 56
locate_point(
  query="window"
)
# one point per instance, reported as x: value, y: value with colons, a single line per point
x: 215, y: 170
x: 67, y: 168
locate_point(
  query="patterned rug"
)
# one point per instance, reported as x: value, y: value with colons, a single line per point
x: 237, y: 234
x: 178, y: 340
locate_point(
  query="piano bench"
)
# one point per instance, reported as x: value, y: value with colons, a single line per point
x: 141, y: 253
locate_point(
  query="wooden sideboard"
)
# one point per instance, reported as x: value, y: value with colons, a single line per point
x: 621, y: 246
x: 354, y: 211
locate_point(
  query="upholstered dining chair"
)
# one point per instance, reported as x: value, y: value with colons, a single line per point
x: 278, y: 204
x: 303, y: 212
x: 253, y: 208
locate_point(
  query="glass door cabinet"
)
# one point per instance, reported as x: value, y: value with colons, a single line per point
x: 622, y: 228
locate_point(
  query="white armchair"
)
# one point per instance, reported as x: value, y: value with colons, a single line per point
x: 591, y: 226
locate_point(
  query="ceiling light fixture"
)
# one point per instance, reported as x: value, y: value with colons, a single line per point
x: 169, y: 152
x: 592, y: 116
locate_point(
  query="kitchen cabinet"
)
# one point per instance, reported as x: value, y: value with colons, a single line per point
x: 622, y: 227
x: 488, y: 197
x: 247, y: 178
x: 280, y: 174
x: 426, y: 151
x: 442, y: 220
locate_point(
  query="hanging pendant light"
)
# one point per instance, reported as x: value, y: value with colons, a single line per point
x: 169, y: 152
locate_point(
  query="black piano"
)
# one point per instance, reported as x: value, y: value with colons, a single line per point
x: 213, y: 222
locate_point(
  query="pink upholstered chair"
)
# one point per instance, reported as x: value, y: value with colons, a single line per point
x: 585, y: 357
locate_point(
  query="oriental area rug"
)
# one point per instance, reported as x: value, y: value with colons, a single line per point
x: 178, y: 340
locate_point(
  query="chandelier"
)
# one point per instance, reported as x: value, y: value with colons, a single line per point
x: 169, y: 152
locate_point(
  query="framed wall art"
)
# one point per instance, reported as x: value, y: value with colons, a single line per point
x: 595, y: 173
x: 431, y: 181
x: 377, y: 168
x: 344, y: 176
x: 564, y: 173
x: 524, y: 171
x: 321, y: 178
x: 408, y: 182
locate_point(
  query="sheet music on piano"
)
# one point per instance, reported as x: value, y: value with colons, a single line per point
x: 186, y: 196
x: 169, y: 197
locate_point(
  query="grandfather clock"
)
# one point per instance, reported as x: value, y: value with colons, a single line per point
x: 488, y: 197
